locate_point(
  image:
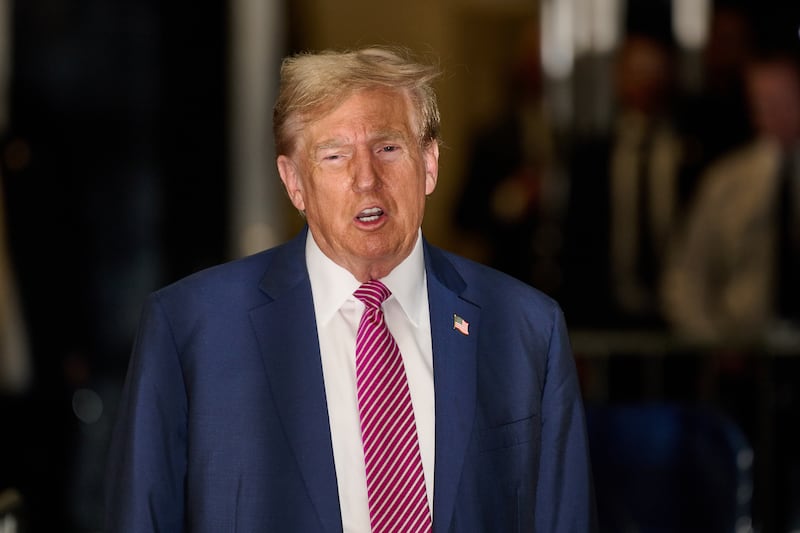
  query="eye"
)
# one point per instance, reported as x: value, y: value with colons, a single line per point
x: 389, y: 149
x: 331, y: 157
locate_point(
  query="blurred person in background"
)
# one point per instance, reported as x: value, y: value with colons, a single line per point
x: 625, y: 195
x: 733, y: 276
x: 514, y: 188
x: 733, y: 280
x: 243, y: 407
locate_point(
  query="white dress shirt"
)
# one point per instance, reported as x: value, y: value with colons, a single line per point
x: 338, y: 313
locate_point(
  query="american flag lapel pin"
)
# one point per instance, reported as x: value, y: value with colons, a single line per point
x: 460, y: 325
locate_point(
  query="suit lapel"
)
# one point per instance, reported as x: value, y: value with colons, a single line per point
x: 454, y: 377
x: 287, y: 335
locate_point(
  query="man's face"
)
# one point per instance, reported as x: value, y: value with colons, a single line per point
x: 361, y: 178
x: 774, y: 94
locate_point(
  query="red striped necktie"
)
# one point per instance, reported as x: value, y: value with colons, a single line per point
x: 395, y: 480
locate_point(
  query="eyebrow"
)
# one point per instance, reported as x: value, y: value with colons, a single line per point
x: 331, y: 143
x: 390, y: 134
x: 338, y: 142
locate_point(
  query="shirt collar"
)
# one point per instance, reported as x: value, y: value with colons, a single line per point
x: 332, y: 285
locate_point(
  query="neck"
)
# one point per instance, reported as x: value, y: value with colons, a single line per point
x: 371, y: 270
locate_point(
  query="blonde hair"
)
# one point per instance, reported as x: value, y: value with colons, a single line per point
x: 315, y: 83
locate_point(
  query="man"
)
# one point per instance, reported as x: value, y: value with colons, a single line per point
x: 732, y: 277
x: 625, y: 196
x: 245, y: 404
x: 514, y: 187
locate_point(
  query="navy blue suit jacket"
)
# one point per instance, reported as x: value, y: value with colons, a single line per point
x: 224, y: 426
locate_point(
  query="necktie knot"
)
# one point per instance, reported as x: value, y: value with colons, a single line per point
x: 373, y: 293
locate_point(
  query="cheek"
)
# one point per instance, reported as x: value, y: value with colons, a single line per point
x: 416, y: 203
x: 327, y: 206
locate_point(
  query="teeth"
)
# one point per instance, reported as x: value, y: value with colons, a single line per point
x: 370, y: 215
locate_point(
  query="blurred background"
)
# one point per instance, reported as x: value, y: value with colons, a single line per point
x: 632, y: 158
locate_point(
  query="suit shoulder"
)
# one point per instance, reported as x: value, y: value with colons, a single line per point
x: 734, y: 171
x: 231, y: 284
x: 237, y: 271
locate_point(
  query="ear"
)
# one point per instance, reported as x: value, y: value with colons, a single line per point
x: 431, y: 156
x: 290, y: 176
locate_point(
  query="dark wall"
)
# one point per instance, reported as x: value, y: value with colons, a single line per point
x: 114, y: 173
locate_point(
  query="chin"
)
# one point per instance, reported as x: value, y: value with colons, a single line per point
x: 378, y: 251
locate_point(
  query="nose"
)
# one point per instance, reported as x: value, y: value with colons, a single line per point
x: 366, y: 174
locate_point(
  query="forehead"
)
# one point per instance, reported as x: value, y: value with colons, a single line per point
x: 364, y: 114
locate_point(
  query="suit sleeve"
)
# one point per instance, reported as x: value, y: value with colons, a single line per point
x: 565, y: 494
x: 147, y: 459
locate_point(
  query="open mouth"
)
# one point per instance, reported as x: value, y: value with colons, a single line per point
x: 370, y: 215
